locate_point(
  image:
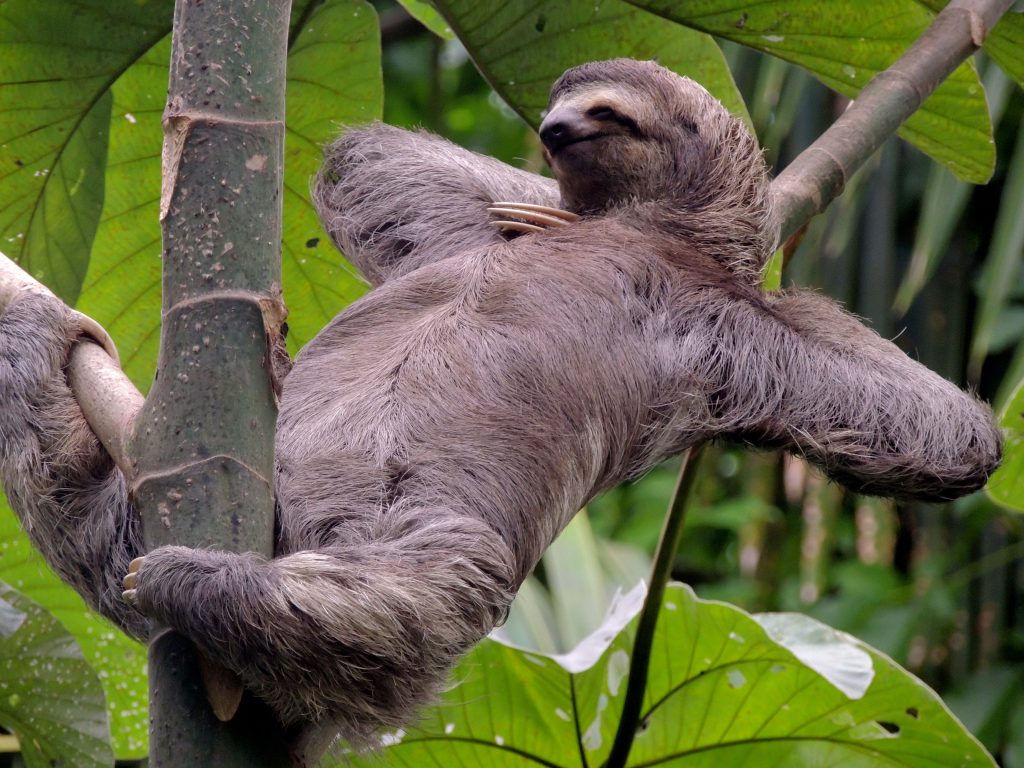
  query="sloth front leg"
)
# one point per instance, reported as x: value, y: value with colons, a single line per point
x: 395, y: 200
x: 63, y: 486
x: 356, y: 635
x: 796, y: 371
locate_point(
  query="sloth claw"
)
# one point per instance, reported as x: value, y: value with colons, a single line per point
x: 131, y: 580
x: 98, y: 334
x: 535, y: 218
x: 545, y: 213
x: 517, y: 226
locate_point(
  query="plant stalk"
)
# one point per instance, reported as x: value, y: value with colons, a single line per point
x: 661, y: 571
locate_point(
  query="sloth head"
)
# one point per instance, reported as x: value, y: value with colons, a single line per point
x: 622, y: 133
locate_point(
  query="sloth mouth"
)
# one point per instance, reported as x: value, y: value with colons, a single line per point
x: 573, y: 142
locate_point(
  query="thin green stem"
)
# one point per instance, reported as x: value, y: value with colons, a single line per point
x: 668, y: 545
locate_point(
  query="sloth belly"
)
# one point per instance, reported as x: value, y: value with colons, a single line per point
x: 490, y: 395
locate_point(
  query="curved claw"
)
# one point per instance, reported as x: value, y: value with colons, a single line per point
x: 517, y: 226
x: 540, y: 215
x: 558, y: 213
x: 131, y: 579
x: 97, y: 333
x: 131, y: 582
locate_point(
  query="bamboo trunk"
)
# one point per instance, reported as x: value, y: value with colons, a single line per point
x: 203, y: 443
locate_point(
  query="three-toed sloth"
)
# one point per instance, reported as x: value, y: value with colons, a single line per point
x: 440, y: 432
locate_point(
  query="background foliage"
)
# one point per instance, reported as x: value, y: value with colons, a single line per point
x: 911, y: 246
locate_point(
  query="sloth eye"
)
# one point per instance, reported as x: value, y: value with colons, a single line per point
x: 601, y: 113
x: 607, y: 114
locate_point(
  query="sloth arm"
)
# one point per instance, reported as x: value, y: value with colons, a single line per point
x: 796, y: 371
x: 393, y: 200
x: 59, y: 480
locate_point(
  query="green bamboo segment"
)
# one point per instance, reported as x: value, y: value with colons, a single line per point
x: 204, y: 439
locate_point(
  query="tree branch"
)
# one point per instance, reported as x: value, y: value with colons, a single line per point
x: 819, y: 174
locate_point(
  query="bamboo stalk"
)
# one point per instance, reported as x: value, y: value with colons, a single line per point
x: 205, y: 435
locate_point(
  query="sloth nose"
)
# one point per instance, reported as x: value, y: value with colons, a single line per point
x: 563, y: 126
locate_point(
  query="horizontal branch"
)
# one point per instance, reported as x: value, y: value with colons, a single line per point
x: 108, y: 398
x: 819, y: 174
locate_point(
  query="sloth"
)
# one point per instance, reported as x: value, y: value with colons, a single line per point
x: 438, y: 434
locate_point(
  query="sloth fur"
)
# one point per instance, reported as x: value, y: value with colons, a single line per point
x: 440, y: 432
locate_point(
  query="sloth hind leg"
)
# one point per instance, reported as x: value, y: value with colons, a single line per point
x: 355, y: 636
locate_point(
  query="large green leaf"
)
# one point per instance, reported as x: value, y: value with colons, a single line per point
x: 1006, y: 486
x: 724, y: 688
x: 845, y: 43
x: 334, y: 79
x: 52, y: 698
x: 522, y: 46
x: 122, y: 286
x: 57, y: 62
x: 119, y: 661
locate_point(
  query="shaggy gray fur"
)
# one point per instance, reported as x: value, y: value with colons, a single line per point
x: 71, y: 500
x: 375, y: 198
x: 439, y: 433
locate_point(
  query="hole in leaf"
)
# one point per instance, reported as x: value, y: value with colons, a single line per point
x: 890, y: 727
x: 912, y: 711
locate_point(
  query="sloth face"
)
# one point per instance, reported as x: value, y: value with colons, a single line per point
x: 625, y: 131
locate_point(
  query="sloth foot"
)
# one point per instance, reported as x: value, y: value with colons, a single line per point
x: 131, y: 582
x: 536, y: 218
